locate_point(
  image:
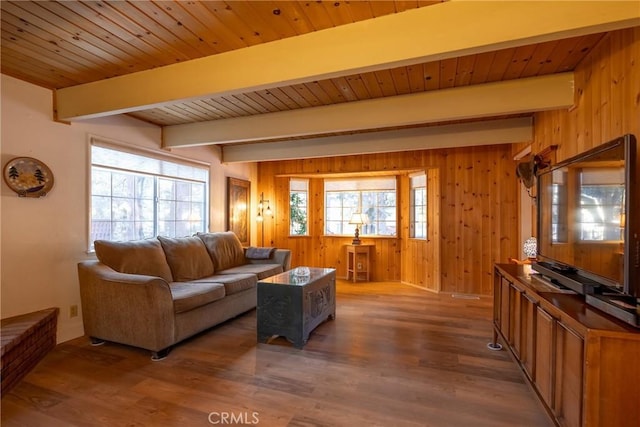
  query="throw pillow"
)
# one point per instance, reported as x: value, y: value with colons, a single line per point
x: 187, y: 257
x: 134, y: 257
x: 225, y: 249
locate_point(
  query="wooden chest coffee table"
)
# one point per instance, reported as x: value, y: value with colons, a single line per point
x: 292, y: 306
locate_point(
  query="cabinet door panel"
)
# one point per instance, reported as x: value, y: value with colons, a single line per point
x: 504, y: 308
x: 528, y: 335
x: 545, y: 351
x: 515, y: 302
x: 568, y: 381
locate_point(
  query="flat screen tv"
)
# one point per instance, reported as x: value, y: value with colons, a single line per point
x: 588, y: 221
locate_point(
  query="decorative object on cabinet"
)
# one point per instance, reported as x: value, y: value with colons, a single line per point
x: 530, y: 247
x: 238, y: 204
x: 28, y: 177
x: 357, y: 219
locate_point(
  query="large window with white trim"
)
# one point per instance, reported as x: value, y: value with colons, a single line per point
x: 142, y: 195
x: 374, y: 198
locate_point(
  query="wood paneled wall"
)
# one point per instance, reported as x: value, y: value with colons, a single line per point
x: 475, y: 188
x: 607, y: 99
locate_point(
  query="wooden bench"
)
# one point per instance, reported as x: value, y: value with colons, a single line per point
x: 25, y: 340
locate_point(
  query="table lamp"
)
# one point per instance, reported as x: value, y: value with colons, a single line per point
x: 358, y: 220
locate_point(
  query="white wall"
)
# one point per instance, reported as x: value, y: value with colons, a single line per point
x: 42, y: 240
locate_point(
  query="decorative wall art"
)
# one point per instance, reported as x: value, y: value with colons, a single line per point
x: 238, y: 204
x: 28, y: 177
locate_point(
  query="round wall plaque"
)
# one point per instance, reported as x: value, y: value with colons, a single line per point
x: 28, y: 177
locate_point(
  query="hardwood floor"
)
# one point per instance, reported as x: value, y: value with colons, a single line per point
x: 394, y: 356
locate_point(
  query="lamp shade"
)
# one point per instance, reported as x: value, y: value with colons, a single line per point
x: 357, y: 218
x: 530, y: 247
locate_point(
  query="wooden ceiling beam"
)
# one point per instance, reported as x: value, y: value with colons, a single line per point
x: 468, y: 102
x: 441, y: 31
x: 487, y: 132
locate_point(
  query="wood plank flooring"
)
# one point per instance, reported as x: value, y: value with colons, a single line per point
x: 395, y: 356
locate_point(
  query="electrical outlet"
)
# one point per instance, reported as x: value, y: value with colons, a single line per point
x: 73, y: 311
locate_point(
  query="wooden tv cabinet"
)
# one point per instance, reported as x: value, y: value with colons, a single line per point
x: 583, y: 364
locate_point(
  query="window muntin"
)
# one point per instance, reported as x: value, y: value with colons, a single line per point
x: 298, y: 207
x: 418, y: 206
x: 134, y: 196
x: 375, y: 198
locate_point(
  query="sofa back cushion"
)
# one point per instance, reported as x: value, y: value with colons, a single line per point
x: 187, y: 257
x: 134, y: 257
x: 225, y: 249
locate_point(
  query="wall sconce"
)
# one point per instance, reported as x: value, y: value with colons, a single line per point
x: 262, y: 211
x: 358, y: 220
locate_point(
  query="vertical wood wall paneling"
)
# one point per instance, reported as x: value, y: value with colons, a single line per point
x: 607, y: 99
x: 475, y: 202
x: 607, y: 103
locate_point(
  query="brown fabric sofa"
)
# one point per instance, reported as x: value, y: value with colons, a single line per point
x: 155, y: 293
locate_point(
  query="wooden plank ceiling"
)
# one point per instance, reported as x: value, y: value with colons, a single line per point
x: 59, y: 44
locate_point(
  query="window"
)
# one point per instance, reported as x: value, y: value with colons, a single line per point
x: 375, y: 198
x: 601, y: 204
x: 418, y: 208
x: 298, y: 207
x: 134, y: 196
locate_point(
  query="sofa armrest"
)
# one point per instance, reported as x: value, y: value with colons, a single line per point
x: 280, y: 256
x: 126, y: 308
x: 283, y: 257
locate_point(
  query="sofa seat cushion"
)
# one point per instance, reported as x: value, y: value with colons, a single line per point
x: 225, y: 249
x: 144, y: 257
x: 189, y: 295
x: 262, y: 271
x: 233, y: 283
x: 187, y: 257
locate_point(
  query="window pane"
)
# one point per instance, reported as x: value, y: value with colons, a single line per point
x: 334, y: 214
x: 144, y: 187
x: 122, y: 209
x: 183, y: 191
x: 166, y: 228
x: 122, y: 185
x: 144, y: 229
x: 145, y: 210
x: 122, y: 230
x: 101, y: 208
x: 100, y: 230
x: 101, y: 183
x: 166, y: 189
x: 166, y: 211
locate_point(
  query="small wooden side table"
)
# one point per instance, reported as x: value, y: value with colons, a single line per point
x: 358, y: 262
